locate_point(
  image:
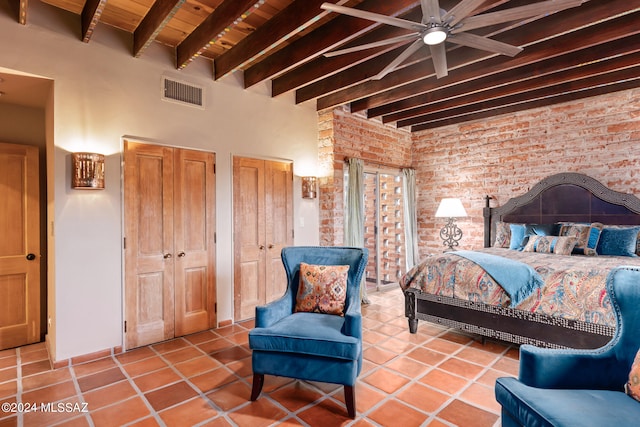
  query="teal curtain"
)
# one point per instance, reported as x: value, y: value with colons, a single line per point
x: 354, y: 213
x: 410, y: 217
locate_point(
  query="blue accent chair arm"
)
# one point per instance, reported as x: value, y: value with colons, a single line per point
x: 268, y: 314
x: 570, y: 369
x: 353, y: 323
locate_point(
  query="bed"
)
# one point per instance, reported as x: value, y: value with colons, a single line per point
x: 569, y: 308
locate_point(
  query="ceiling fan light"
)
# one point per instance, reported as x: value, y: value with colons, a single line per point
x: 434, y: 36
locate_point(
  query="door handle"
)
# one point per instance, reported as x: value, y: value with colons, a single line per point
x: 31, y: 257
x: 181, y: 254
x: 167, y: 256
x: 270, y: 246
x: 261, y: 247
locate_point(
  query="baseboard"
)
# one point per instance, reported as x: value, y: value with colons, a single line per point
x: 87, y: 357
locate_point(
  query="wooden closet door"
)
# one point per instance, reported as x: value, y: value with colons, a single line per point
x: 263, y: 225
x: 278, y: 224
x: 194, y: 234
x: 249, y: 236
x: 149, y: 249
x: 19, y: 246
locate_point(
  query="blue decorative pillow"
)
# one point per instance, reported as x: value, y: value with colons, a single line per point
x: 517, y: 236
x: 618, y: 241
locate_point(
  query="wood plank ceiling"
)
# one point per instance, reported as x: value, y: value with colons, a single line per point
x: 584, y: 51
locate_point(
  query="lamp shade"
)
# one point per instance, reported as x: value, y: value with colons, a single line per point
x: 450, y: 208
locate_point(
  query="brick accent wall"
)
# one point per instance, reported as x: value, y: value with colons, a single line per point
x: 505, y: 156
x: 341, y: 135
x: 501, y: 157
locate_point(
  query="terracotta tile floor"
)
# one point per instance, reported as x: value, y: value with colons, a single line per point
x: 437, y: 377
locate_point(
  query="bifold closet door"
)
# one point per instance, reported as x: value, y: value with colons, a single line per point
x: 169, y: 205
x: 279, y: 225
x: 263, y: 225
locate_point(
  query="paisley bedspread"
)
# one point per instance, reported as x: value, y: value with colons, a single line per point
x: 574, y: 286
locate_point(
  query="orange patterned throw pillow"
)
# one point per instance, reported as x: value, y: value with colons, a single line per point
x: 322, y: 289
x: 632, y: 387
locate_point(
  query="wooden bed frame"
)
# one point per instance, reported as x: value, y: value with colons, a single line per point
x: 563, y: 197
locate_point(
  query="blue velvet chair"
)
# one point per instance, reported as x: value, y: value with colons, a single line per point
x: 558, y: 387
x: 311, y: 346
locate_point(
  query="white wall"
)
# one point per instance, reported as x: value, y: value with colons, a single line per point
x: 102, y: 94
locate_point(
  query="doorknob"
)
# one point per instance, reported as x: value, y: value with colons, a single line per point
x: 181, y: 254
x: 167, y: 256
x: 31, y: 257
x: 261, y: 247
x: 270, y: 246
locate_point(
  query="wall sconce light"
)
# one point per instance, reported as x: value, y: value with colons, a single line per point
x: 450, y: 233
x: 309, y: 187
x: 87, y: 171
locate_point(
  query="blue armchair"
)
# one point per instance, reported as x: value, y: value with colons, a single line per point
x: 558, y: 387
x: 311, y: 346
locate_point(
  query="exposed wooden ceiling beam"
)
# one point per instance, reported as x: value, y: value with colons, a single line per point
x: 355, y: 75
x: 19, y: 7
x: 581, y: 78
x: 537, y: 103
x: 154, y: 21
x: 90, y: 16
x: 563, y: 45
x: 314, y: 86
x: 223, y: 16
x: 290, y: 19
x: 580, y: 52
x: 421, y: 104
x: 338, y: 31
x: 549, y: 27
x: 322, y: 66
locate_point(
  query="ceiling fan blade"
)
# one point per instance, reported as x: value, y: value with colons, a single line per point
x: 484, y: 43
x: 439, y: 57
x: 399, y: 59
x: 430, y: 11
x: 385, y: 42
x: 376, y: 17
x: 515, y: 13
x: 461, y: 11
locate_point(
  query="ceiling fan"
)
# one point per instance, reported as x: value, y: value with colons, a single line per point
x: 439, y: 25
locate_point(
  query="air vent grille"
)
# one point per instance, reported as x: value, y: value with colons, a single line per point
x: 183, y: 93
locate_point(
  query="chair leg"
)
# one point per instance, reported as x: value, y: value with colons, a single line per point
x: 258, y: 381
x: 350, y: 400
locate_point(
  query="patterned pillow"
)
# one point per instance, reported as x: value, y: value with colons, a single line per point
x: 588, y: 236
x: 503, y: 235
x: 632, y: 387
x: 551, y: 245
x: 322, y: 289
